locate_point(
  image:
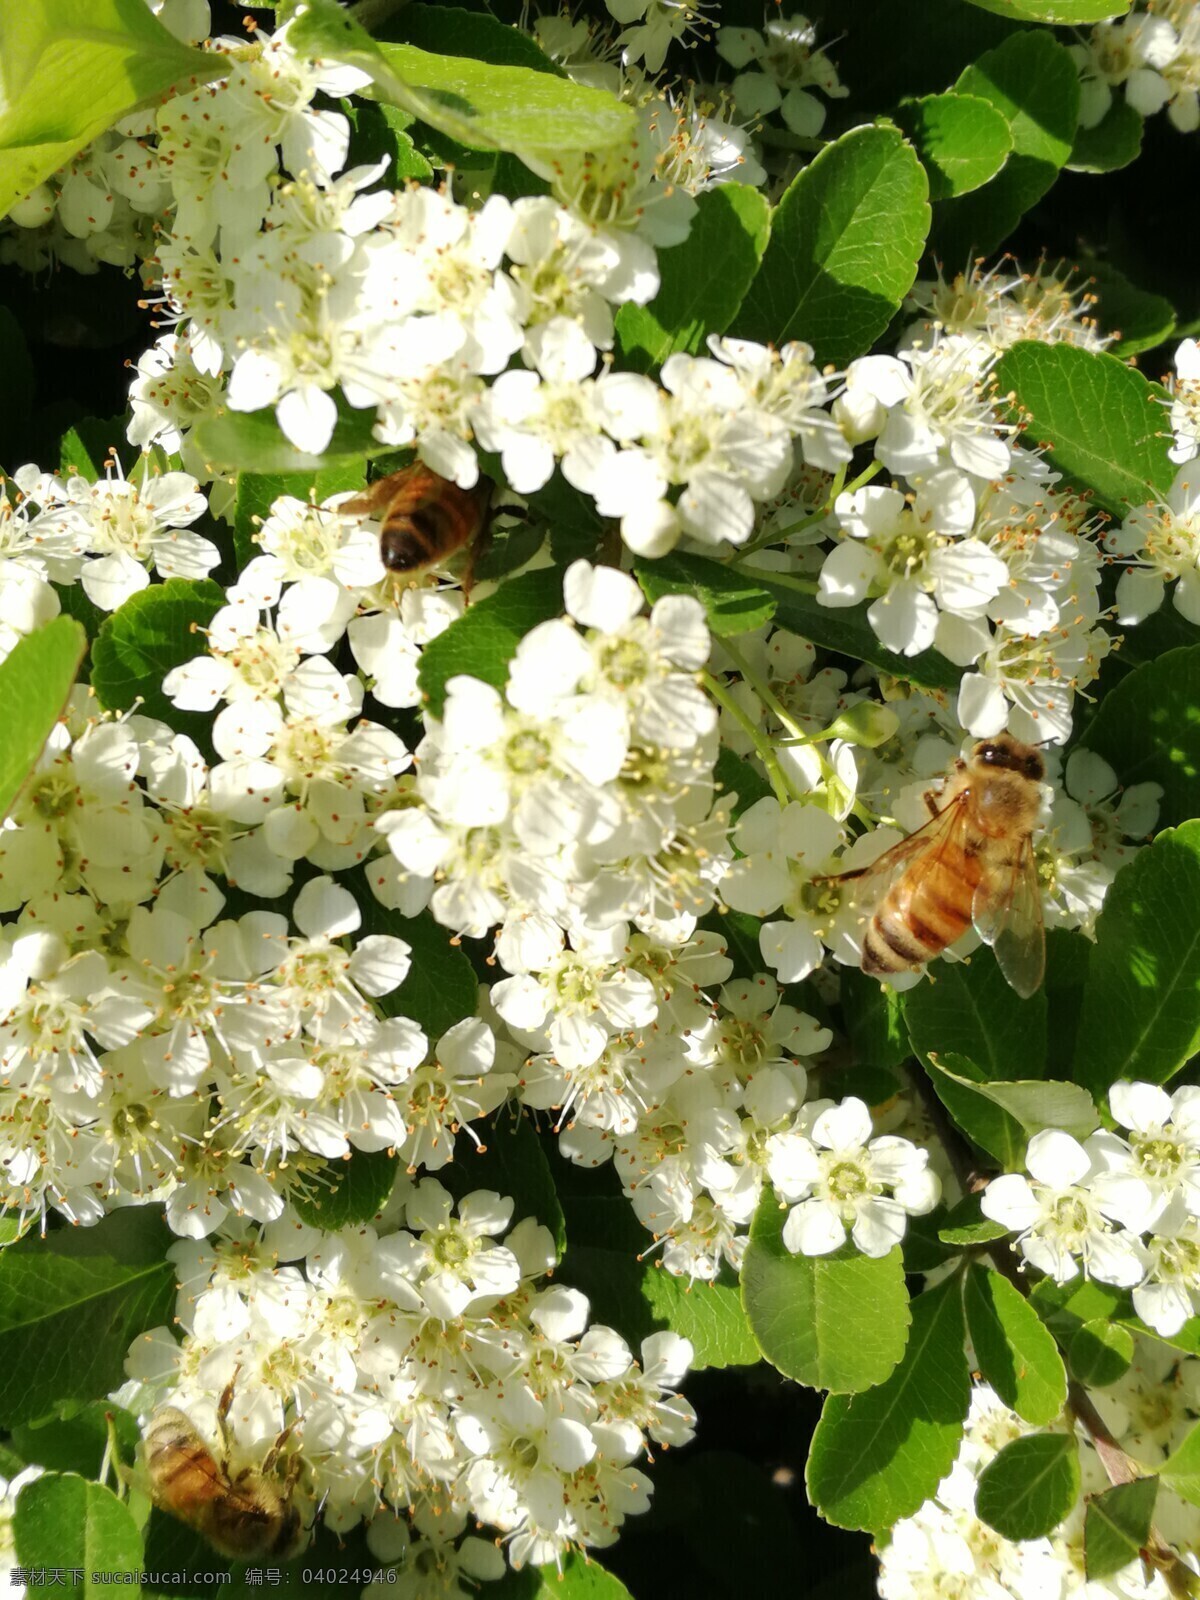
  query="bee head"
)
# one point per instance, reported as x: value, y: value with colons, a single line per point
x: 1011, y: 755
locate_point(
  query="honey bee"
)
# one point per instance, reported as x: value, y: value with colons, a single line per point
x: 423, y: 519
x: 245, y: 1517
x: 972, y: 862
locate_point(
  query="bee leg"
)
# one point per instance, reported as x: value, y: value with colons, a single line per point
x: 224, y: 1406
x: 479, y: 546
x: 841, y: 877
x: 931, y: 798
x: 273, y: 1454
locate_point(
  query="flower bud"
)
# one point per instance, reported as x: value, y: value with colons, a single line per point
x: 866, y: 723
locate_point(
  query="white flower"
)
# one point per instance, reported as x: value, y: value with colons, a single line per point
x: 452, y: 1259
x: 645, y: 666
x: 1128, y: 51
x: 446, y: 262
x: 169, y: 394
x: 1160, y: 544
x: 1185, y: 402
x: 1170, y: 1293
x: 784, y: 65
x: 1162, y: 1144
x: 783, y: 849
x: 945, y: 415
x: 460, y: 1083
x: 536, y: 418
x: 709, y: 437
x: 122, y: 525
x: 577, y: 999
x: 565, y: 269
x: 913, y: 556
x: 1067, y: 1214
x: 838, y: 1176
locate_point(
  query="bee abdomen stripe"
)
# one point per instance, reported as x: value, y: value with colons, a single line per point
x: 892, y: 930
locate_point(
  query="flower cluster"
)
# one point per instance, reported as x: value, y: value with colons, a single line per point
x: 1120, y: 1208
x: 153, y: 1050
x: 1159, y: 543
x: 1152, y: 55
x: 421, y: 1370
x: 106, y: 536
x: 838, y: 1174
x: 945, y: 1548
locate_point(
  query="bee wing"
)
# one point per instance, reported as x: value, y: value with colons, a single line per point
x: 1007, y: 913
x: 871, y: 883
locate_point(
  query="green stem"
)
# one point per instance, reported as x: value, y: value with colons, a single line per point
x: 762, y: 745
x: 864, y: 477
x: 777, y: 535
x: 763, y: 690
x: 782, y: 580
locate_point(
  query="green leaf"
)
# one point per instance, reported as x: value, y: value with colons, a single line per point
x: 1139, y: 320
x: 837, y: 1322
x: 1116, y: 1526
x: 962, y: 140
x: 69, y: 69
x: 734, y: 775
x: 987, y: 1124
x: 1100, y: 1352
x: 483, y: 105
x: 1114, y: 142
x: 642, y: 1297
x: 345, y: 1193
x: 441, y: 987
x: 1063, y: 12
x: 62, y: 1522
x: 580, y: 1578
x: 66, y: 1323
x: 1027, y: 1490
x: 1032, y: 81
x: 732, y: 603
x: 1181, y: 1470
x: 258, y: 491
x: 252, y: 441
x: 507, y: 549
x: 969, y: 1010
x: 453, y: 31
x: 1067, y: 1307
x: 35, y: 680
x: 89, y: 443
x: 483, y: 641
x: 1101, y: 422
x: 965, y: 1224
x: 703, y: 280
x: 513, y: 1163
x: 876, y: 1456
x: 1034, y: 1103
x: 1148, y: 729
x: 73, y: 1438
x: 1140, y: 1018
x: 923, y: 1247
x: 845, y: 242
x: 874, y: 1020
x: 742, y: 935
x: 1016, y: 1354
x: 154, y: 630
x: 847, y: 630
x: 382, y: 131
